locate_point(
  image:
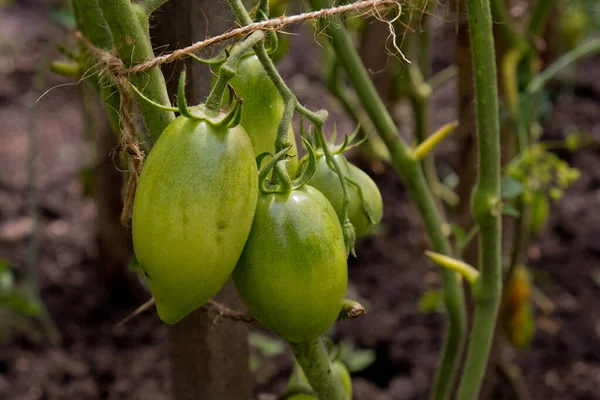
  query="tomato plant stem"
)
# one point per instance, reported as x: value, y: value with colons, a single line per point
x: 315, y: 363
x: 291, y: 104
x: 92, y: 25
x: 407, y: 166
x: 486, y: 205
x: 128, y: 24
x: 227, y: 70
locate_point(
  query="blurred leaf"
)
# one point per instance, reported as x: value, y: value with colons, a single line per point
x: 431, y: 301
x: 459, y: 233
x: 19, y: 303
x: 359, y: 360
x: 355, y: 359
x: 86, y: 178
x: 7, y: 280
x: 254, y: 362
x: 511, y: 188
x: 266, y: 345
x: 64, y: 17
x: 451, y: 180
x: 511, y: 211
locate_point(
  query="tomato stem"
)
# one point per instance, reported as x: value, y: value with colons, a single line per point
x: 129, y: 27
x: 408, y: 167
x: 291, y: 104
x: 315, y: 363
x: 486, y: 195
x: 227, y: 70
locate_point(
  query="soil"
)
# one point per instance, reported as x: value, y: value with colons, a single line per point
x: 96, y: 360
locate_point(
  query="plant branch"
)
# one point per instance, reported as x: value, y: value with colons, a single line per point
x: 486, y: 198
x: 407, y: 166
x: 227, y: 70
x: 128, y: 25
x: 316, y: 118
x: 315, y: 363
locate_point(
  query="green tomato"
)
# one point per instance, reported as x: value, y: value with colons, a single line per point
x: 339, y: 370
x: 262, y: 109
x: 292, y: 274
x: 193, y: 211
x: 326, y: 180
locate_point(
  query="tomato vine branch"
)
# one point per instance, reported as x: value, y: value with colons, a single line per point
x: 486, y: 205
x: 407, y: 166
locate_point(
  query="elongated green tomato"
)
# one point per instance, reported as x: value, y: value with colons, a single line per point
x: 292, y: 274
x: 193, y: 211
x: 263, y: 109
x: 298, y: 379
x: 326, y: 180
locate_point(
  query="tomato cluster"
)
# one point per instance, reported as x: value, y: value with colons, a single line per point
x: 203, y: 212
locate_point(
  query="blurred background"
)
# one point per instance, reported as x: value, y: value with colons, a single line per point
x: 65, y: 281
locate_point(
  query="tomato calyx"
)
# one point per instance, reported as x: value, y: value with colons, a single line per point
x: 281, y: 181
x: 215, y: 118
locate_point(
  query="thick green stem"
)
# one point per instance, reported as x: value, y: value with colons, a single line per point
x: 149, y: 6
x: 408, y: 168
x: 91, y: 24
x: 315, y: 363
x: 486, y: 198
x: 128, y: 24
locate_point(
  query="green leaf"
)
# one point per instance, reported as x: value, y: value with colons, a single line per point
x: 19, y: 303
x: 359, y: 360
x: 254, y: 362
x: 431, y: 301
x: 511, y: 188
x: 266, y: 345
x: 511, y: 211
x: 459, y: 233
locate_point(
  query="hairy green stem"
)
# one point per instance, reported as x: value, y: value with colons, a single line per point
x: 92, y: 25
x: 486, y: 198
x: 128, y: 24
x: 149, y: 6
x: 315, y: 363
x: 407, y: 166
x: 291, y: 103
x: 227, y: 70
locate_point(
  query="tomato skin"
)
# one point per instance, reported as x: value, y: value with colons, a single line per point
x: 193, y: 210
x: 262, y: 110
x: 326, y: 180
x: 292, y: 274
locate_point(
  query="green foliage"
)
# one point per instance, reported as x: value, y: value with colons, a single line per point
x: 431, y: 301
x: 355, y: 359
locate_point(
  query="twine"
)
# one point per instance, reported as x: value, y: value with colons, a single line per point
x: 129, y: 145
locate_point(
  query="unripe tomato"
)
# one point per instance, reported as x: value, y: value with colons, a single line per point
x: 338, y: 369
x: 326, y: 180
x: 292, y: 274
x: 263, y: 108
x: 193, y: 210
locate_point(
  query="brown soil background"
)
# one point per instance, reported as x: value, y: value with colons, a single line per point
x: 99, y: 361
